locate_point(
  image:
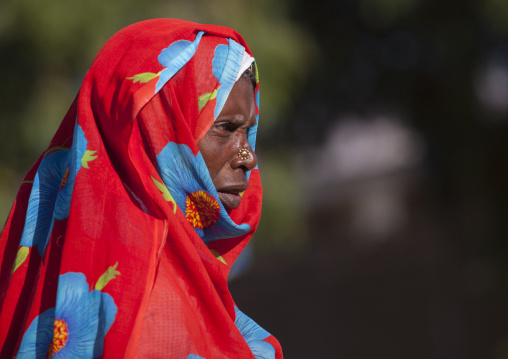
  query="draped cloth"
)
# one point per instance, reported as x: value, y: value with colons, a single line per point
x: 117, y: 244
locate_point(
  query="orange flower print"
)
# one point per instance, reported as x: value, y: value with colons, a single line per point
x: 188, y: 183
x: 75, y: 327
x: 201, y: 209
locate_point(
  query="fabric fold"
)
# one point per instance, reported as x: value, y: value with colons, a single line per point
x: 118, y: 232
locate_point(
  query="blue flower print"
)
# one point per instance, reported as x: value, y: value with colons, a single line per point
x: 39, y: 217
x: 188, y: 181
x: 254, y: 129
x: 174, y: 57
x: 225, y: 66
x: 75, y: 161
x: 51, y: 193
x: 254, y: 335
x: 75, y: 328
x: 251, y: 138
x: 252, y: 133
x: 194, y: 356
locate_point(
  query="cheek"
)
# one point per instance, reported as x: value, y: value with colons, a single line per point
x: 215, y: 158
x: 218, y: 152
x: 218, y: 166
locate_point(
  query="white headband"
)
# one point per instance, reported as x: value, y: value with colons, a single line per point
x: 247, y: 60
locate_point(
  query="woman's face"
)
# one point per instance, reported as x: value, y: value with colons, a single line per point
x: 224, y: 140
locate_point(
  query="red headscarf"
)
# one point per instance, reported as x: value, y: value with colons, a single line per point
x: 117, y: 244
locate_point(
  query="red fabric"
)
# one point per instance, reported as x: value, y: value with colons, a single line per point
x: 130, y: 243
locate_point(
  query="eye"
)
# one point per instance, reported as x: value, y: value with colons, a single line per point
x: 225, y: 126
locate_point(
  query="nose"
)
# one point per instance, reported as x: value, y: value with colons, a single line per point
x: 245, y: 158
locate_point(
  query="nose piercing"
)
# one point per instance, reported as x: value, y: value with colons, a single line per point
x: 244, y: 154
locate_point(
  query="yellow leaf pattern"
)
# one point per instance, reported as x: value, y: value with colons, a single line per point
x: 87, y: 157
x: 20, y: 257
x: 218, y: 256
x: 203, y: 99
x: 144, y: 77
x: 165, y: 193
x: 108, y: 275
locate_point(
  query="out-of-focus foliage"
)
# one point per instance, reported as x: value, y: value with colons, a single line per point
x: 46, y: 48
x: 284, y: 51
x: 283, y: 225
x: 383, y: 13
x: 437, y: 290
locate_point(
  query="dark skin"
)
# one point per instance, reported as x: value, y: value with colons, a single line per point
x: 223, y: 141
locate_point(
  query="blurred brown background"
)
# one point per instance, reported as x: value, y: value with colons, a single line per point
x: 383, y: 151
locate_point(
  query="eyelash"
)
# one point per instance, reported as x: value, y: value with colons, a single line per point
x: 229, y: 127
x: 225, y: 127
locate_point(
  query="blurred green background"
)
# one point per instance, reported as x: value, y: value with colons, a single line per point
x: 382, y: 148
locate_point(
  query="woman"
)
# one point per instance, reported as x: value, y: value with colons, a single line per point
x: 122, y: 235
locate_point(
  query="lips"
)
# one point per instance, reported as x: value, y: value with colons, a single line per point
x: 230, y: 196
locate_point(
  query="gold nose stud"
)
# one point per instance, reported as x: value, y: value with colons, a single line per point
x: 243, y: 154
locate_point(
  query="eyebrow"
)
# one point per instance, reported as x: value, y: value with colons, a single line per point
x: 235, y: 120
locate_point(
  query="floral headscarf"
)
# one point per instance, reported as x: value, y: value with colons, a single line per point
x: 117, y: 244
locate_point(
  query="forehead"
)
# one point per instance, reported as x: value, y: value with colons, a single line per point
x: 240, y: 103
